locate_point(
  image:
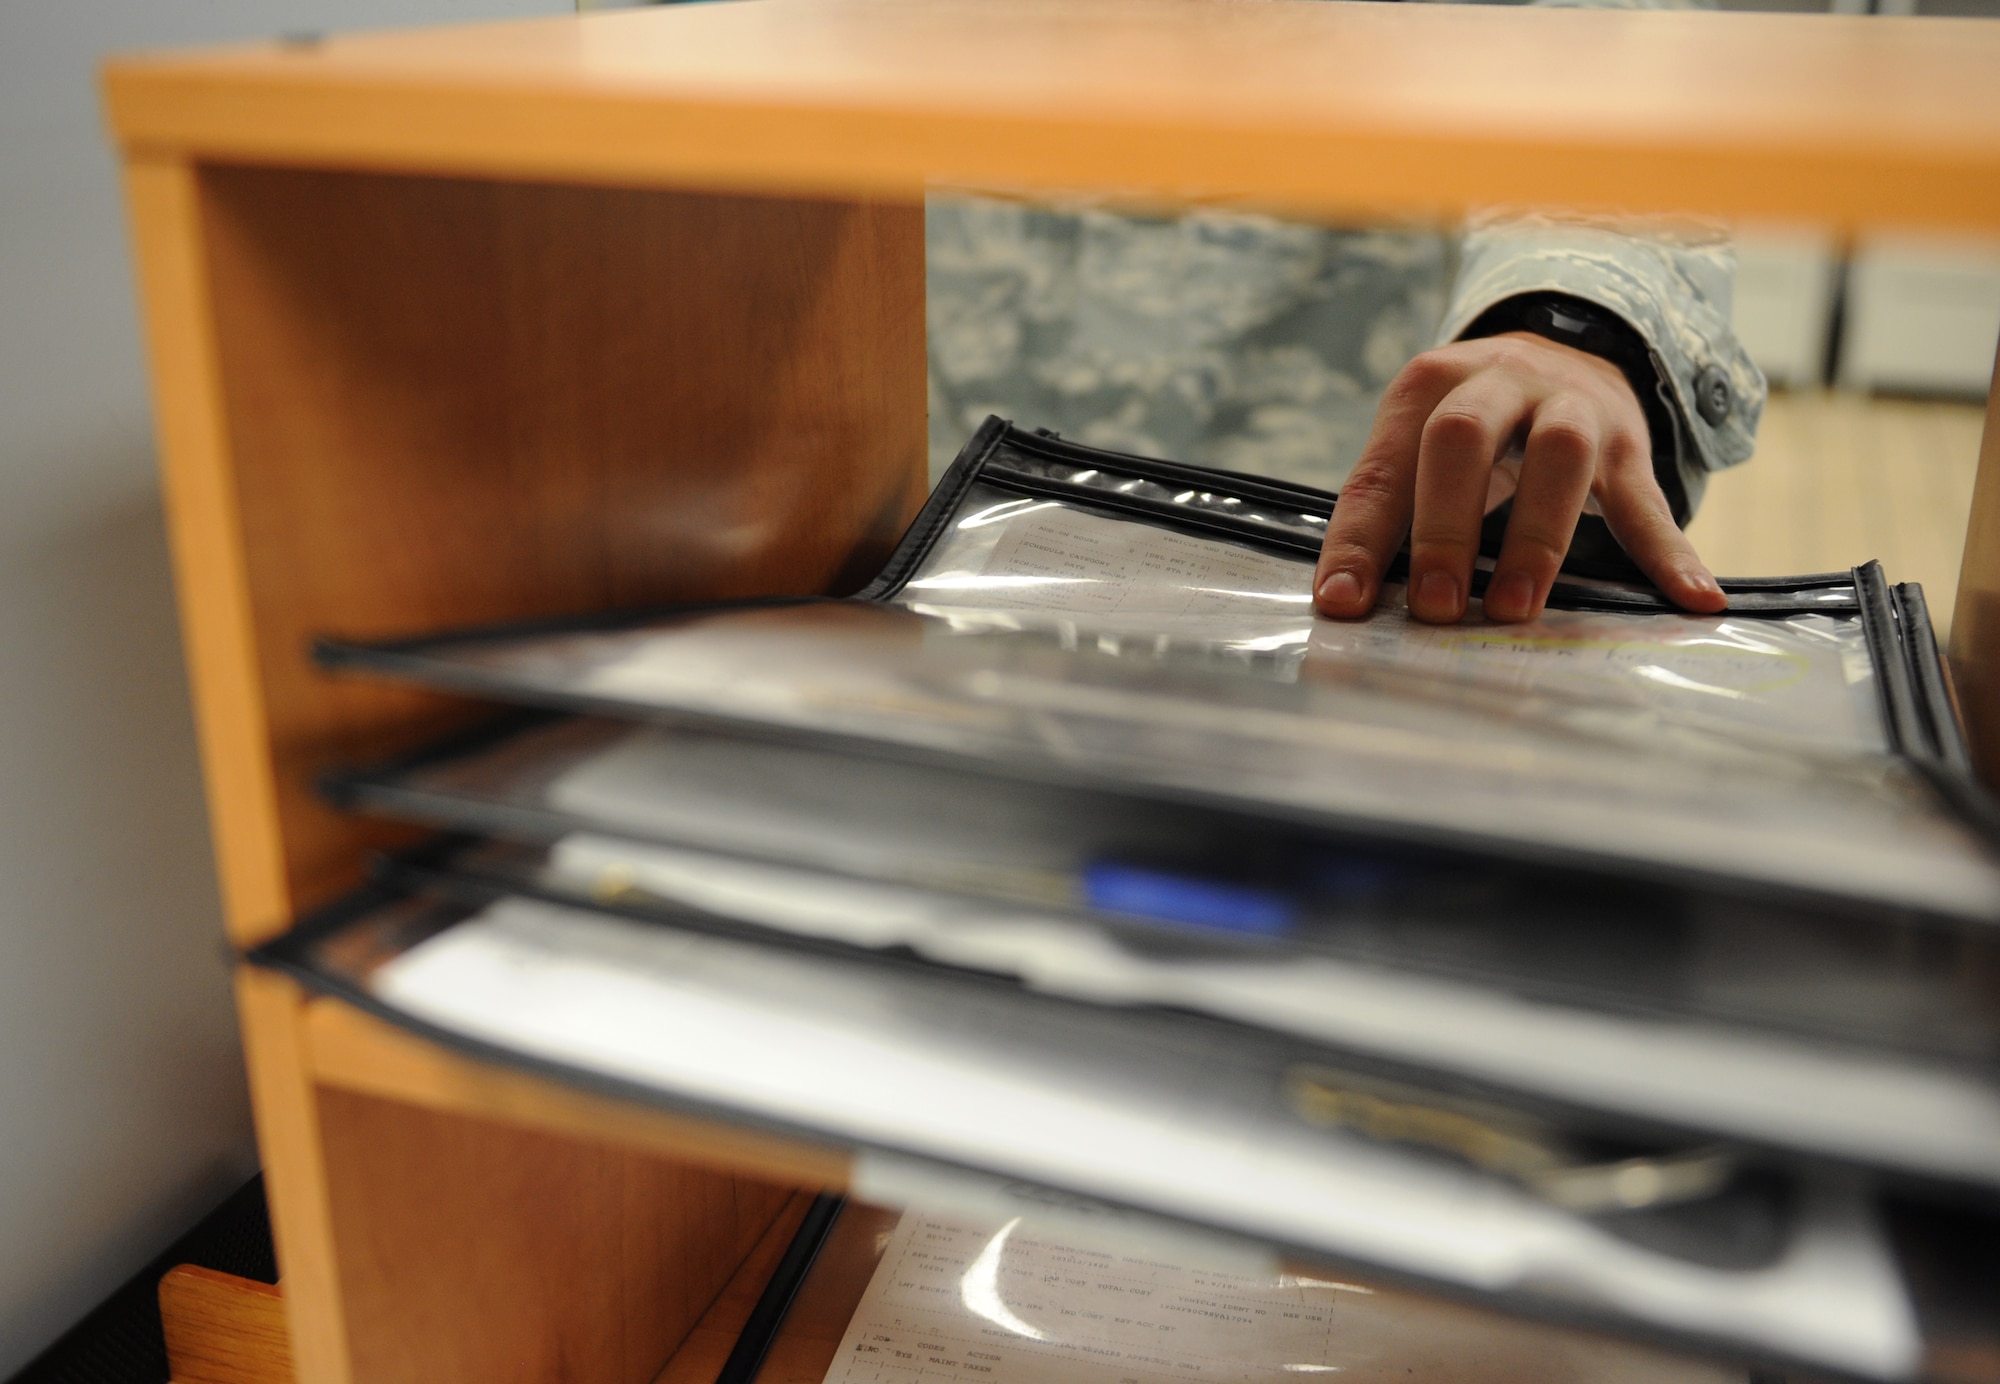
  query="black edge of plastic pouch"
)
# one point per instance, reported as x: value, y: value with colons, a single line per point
x: 1918, y: 716
x: 1264, y: 489
x: 1162, y: 511
x: 1763, y: 595
x: 1928, y: 673
x: 935, y: 515
x: 774, y: 1304
x: 1902, y: 719
x: 1948, y: 762
x: 977, y: 463
x: 983, y: 461
x: 290, y: 955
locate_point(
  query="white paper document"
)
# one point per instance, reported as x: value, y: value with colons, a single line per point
x: 959, y: 1303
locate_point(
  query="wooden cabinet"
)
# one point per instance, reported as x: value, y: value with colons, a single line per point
x: 483, y: 323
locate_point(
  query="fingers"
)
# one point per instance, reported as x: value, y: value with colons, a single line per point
x: 1425, y: 472
x: 1559, y: 464
x: 1461, y: 440
x: 1644, y: 527
x: 1375, y: 504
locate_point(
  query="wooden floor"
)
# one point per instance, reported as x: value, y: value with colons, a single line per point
x: 1841, y: 478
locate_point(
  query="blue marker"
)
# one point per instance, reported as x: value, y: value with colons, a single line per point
x: 1161, y: 897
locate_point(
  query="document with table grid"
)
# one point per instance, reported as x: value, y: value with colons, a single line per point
x: 954, y: 1303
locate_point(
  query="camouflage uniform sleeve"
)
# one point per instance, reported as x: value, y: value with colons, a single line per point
x: 1670, y: 284
x: 1672, y: 287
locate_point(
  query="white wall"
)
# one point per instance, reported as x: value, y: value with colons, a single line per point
x: 122, y: 1111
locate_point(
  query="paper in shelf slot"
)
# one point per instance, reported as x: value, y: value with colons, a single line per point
x: 1018, y: 1299
x: 1918, y: 1108
x: 1162, y: 1115
x: 1063, y: 616
x: 1070, y: 888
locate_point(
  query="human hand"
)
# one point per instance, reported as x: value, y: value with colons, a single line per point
x: 1444, y: 422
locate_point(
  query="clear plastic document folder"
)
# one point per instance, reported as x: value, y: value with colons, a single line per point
x: 1630, y: 968
x: 1068, y: 617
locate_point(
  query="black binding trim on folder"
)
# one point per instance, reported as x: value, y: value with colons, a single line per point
x: 1161, y: 511
x: 754, y: 1342
x: 1263, y: 489
x: 1949, y: 768
x: 1918, y: 717
x: 1902, y: 719
x: 984, y: 460
x: 981, y: 461
x: 1927, y: 674
x: 935, y: 516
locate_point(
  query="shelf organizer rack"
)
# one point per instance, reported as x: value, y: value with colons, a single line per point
x: 486, y: 323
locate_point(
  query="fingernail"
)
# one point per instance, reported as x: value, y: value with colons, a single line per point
x: 1510, y: 595
x: 1437, y: 596
x: 1700, y: 579
x: 1340, y: 591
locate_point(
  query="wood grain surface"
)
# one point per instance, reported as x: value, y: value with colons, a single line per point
x: 277, y: 1054
x: 805, y: 1346
x: 222, y: 1329
x: 445, y: 403
x: 1323, y: 109
x: 205, y: 527
x: 812, y: 1330
x: 489, y: 1254
x: 702, y: 1355
x: 1975, y: 628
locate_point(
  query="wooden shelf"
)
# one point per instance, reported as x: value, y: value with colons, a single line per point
x: 489, y: 323
x: 1328, y: 109
x: 812, y: 1329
